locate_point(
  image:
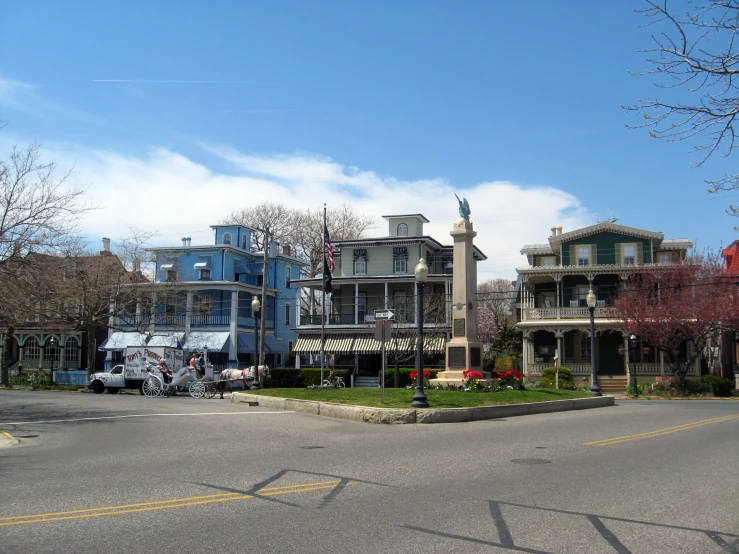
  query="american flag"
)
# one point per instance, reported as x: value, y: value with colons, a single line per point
x: 329, y: 251
x: 328, y: 261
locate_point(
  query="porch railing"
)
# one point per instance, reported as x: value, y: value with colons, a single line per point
x: 585, y: 368
x: 210, y: 320
x: 567, y: 313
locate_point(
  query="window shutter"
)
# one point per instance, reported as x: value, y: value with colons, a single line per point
x: 639, y: 252
x: 573, y: 255
x: 593, y: 254
x: 619, y: 253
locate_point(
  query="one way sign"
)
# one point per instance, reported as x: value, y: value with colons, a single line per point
x: 384, y: 314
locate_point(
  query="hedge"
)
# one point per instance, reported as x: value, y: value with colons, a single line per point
x: 720, y: 386
x: 548, y: 378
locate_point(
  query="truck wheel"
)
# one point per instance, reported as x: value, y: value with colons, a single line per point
x: 98, y: 387
x: 113, y: 390
x: 141, y: 389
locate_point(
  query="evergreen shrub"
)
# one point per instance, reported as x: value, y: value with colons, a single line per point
x: 548, y: 378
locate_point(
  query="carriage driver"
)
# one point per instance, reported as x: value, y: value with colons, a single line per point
x: 166, y: 372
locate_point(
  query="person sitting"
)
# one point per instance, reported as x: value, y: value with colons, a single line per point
x: 165, y: 371
x: 201, y: 365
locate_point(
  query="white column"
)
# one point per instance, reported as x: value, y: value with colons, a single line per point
x: 356, y: 303
x: 559, y: 298
x: 188, y: 314
x: 297, y: 310
x: 526, y: 356
x: 152, y: 315
x: 233, y: 338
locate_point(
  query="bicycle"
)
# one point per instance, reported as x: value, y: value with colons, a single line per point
x: 337, y: 383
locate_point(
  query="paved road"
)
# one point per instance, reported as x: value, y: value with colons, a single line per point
x: 130, y: 474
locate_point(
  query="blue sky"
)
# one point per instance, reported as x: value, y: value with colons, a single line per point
x: 175, y: 113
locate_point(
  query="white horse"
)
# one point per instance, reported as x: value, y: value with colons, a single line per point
x: 246, y: 376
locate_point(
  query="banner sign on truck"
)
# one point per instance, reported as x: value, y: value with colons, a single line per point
x: 136, y: 358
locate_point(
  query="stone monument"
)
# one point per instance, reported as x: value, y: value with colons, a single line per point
x: 463, y: 350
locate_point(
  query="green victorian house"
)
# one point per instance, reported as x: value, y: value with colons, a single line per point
x: 554, y: 317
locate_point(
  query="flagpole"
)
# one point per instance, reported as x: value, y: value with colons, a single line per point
x: 323, y: 296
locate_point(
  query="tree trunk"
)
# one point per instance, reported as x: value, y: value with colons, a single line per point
x: 4, y: 363
x: 90, y: 354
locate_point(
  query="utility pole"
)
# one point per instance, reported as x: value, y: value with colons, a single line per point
x: 265, y: 276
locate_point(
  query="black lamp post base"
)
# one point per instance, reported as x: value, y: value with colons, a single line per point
x: 595, y: 390
x: 419, y: 400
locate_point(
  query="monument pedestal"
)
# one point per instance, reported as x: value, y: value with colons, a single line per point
x: 463, y: 350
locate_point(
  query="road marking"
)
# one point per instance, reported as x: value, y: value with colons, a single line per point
x: 163, y: 504
x: 660, y: 432
x: 135, y: 415
x: 10, y: 437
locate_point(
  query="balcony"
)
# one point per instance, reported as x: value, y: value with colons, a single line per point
x: 209, y: 320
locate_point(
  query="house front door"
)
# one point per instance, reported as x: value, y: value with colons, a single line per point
x: 610, y: 362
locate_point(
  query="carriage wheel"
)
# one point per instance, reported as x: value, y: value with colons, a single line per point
x: 210, y: 389
x: 197, y: 389
x: 151, y: 387
x: 168, y: 391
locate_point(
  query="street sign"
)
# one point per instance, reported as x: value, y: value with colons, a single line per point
x: 383, y: 330
x: 384, y: 314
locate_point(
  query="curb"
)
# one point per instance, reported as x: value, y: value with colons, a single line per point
x: 430, y: 415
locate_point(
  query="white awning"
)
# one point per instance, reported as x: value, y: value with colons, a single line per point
x: 119, y: 340
x: 198, y: 340
x: 203, y: 262
x: 168, y: 265
x: 169, y: 340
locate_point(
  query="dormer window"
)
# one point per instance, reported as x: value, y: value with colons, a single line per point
x: 226, y: 238
x: 402, y: 230
x: 243, y: 242
x: 171, y: 275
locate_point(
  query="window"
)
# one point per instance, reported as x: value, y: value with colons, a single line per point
x: 400, y: 260
x: 581, y: 294
x: 287, y: 314
x: 71, y: 350
x: 402, y: 230
x: 226, y: 238
x: 629, y: 254
x: 202, y: 305
x: 31, y: 349
x: 548, y: 261
x: 584, y: 347
x: 260, y: 279
x: 204, y: 274
x: 361, y: 306
x: 360, y: 262
x: 117, y: 370
x: 400, y: 305
x: 288, y: 276
x: 279, y: 360
x: 243, y: 242
x: 289, y: 346
x: 171, y: 275
x: 583, y: 256
x: 664, y: 257
x: 51, y: 351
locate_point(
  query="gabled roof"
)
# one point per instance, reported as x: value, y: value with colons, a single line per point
x: 557, y: 240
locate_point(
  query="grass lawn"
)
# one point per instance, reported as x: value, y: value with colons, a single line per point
x: 401, y: 398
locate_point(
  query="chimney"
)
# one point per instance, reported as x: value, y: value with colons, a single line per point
x: 559, y: 230
x: 286, y: 250
x: 554, y: 231
x: 274, y: 248
x: 184, y: 241
x: 189, y: 240
x: 106, y: 246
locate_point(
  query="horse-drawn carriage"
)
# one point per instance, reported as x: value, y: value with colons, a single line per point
x: 226, y: 380
x: 159, y: 384
x: 186, y: 378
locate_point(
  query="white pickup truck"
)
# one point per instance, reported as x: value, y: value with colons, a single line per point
x: 132, y: 373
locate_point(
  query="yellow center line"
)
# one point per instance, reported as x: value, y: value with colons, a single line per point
x: 660, y: 432
x: 163, y: 504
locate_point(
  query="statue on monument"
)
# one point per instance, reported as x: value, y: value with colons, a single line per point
x: 464, y: 207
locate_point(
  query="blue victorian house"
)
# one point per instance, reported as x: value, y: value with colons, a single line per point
x: 201, y: 298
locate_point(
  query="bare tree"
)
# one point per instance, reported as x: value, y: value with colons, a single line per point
x: 38, y: 213
x: 278, y: 218
x: 131, y: 252
x: 496, y: 296
x: 694, y: 60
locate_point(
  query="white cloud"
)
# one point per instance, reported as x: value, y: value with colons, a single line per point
x: 166, y: 191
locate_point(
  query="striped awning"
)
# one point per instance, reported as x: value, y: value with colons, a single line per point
x: 339, y: 343
x: 434, y: 344
x: 307, y: 343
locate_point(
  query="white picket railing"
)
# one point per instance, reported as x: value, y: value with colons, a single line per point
x: 567, y: 313
x: 585, y: 368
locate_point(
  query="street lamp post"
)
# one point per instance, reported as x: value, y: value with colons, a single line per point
x: 52, y: 343
x: 633, y: 341
x: 422, y: 272
x: 255, y: 310
x: 594, y: 386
